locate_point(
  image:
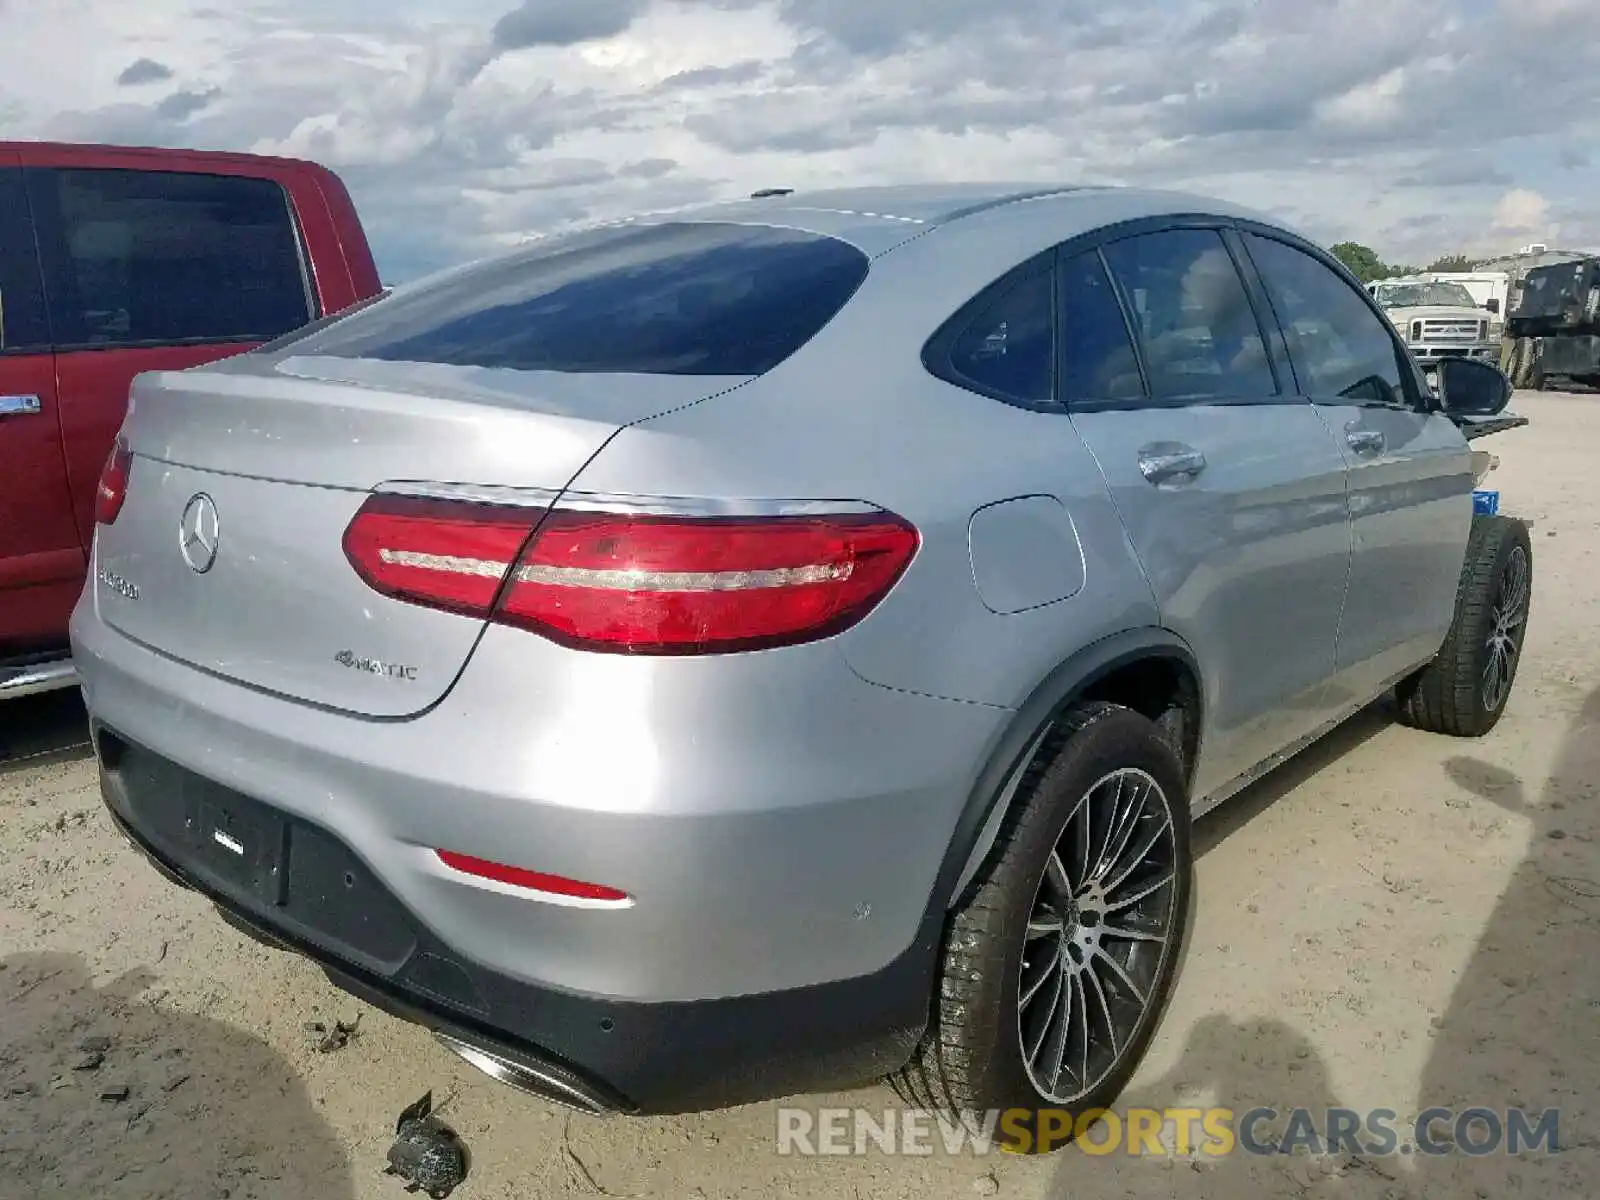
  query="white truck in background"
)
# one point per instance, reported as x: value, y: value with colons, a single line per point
x: 1491, y: 289
x: 1441, y: 317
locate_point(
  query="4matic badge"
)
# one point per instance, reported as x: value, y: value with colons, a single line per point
x: 373, y: 666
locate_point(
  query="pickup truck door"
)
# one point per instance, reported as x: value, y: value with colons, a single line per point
x: 41, y: 558
x: 156, y: 270
x: 1410, y: 468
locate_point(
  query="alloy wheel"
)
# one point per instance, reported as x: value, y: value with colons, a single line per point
x: 1098, y: 932
x: 1507, y: 621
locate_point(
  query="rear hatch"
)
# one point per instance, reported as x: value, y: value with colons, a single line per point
x: 270, y: 471
x: 499, y: 379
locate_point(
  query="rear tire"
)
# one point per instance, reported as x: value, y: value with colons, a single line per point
x: 1058, y: 965
x: 1463, y: 692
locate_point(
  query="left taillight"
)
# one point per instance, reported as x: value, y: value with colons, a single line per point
x: 449, y: 554
x: 632, y: 583
x: 112, y: 489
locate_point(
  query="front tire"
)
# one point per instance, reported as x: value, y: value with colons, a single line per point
x: 1464, y: 690
x: 1058, y: 966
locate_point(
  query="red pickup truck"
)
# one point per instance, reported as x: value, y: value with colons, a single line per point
x: 115, y: 261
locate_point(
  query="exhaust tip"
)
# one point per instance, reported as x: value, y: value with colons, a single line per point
x: 526, y: 1077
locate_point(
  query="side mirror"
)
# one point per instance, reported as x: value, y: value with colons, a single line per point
x: 1493, y: 304
x: 1472, y: 387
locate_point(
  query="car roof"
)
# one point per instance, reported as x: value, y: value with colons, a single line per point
x: 878, y: 219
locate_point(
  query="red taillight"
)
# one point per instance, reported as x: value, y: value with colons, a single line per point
x: 113, y: 487
x: 447, y: 554
x: 636, y: 584
x: 687, y: 585
x: 533, y: 881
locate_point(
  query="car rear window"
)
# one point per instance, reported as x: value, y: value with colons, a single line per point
x: 681, y: 298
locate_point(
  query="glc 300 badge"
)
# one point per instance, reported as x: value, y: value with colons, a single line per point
x: 356, y: 662
x: 117, y: 583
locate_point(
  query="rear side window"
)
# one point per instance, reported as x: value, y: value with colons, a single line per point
x: 1098, y: 361
x: 1342, y: 350
x: 149, y: 258
x: 1194, y: 320
x: 1009, y: 346
x: 22, y: 319
x: 696, y: 298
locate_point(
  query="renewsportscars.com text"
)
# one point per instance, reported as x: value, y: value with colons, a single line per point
x: 1185, y: 1132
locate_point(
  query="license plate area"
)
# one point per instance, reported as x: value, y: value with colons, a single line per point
x: 244, y: 848
x: 283, y: 870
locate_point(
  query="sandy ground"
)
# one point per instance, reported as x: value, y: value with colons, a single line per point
x: 1392, y: 921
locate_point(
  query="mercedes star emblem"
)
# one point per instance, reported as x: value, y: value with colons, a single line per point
x: 197, y: 533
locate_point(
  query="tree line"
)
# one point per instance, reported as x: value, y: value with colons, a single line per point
x: 1365, y: 264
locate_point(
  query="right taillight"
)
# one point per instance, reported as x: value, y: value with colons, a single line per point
x: 112, y: 489
x: 633, y: 583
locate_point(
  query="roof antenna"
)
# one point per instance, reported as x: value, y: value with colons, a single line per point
x: 768, y: 193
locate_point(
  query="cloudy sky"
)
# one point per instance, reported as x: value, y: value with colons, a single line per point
x: 1421, y: 127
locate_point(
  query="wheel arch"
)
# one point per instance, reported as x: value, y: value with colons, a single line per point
x: 1093, y: 672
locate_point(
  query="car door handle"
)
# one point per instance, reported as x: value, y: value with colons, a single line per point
x: 1364, y: 441
x: 1159, y: 464
x: 20, y: 406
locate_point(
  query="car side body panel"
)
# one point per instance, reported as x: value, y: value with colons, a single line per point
x: 1409, y: 468
x: 800, y: 431
x: 1248, y: 562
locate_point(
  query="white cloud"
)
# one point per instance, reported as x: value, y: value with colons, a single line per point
x: 463, y: 124
x: 1373, y: 104
x: 1522, y: 211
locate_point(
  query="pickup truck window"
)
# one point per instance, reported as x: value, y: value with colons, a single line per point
x: 698, y: 298
x: 22, y: 320
x: 150, y: 258
x: 1419, y: 295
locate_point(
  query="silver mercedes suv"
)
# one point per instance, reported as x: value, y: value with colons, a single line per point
x: 762, y: 648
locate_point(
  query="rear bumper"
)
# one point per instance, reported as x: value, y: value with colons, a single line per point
x: 315, y: 897
x: 779, y: 823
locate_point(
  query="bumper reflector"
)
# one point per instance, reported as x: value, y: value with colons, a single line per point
x: 533, y: 881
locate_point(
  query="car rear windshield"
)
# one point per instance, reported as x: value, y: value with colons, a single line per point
x: 681, y: 298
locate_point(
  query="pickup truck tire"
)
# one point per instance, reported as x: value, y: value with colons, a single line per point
x: 1110, y: 936
x: 1463, y: 691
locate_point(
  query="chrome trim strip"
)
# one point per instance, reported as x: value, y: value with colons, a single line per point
x: 475, y: 493
x: 618, y: 502
x: 37, y: 678
x: 697, y: 506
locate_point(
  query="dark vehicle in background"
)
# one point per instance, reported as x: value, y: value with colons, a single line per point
x: 115, y: 261
x: 1560, y: 306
